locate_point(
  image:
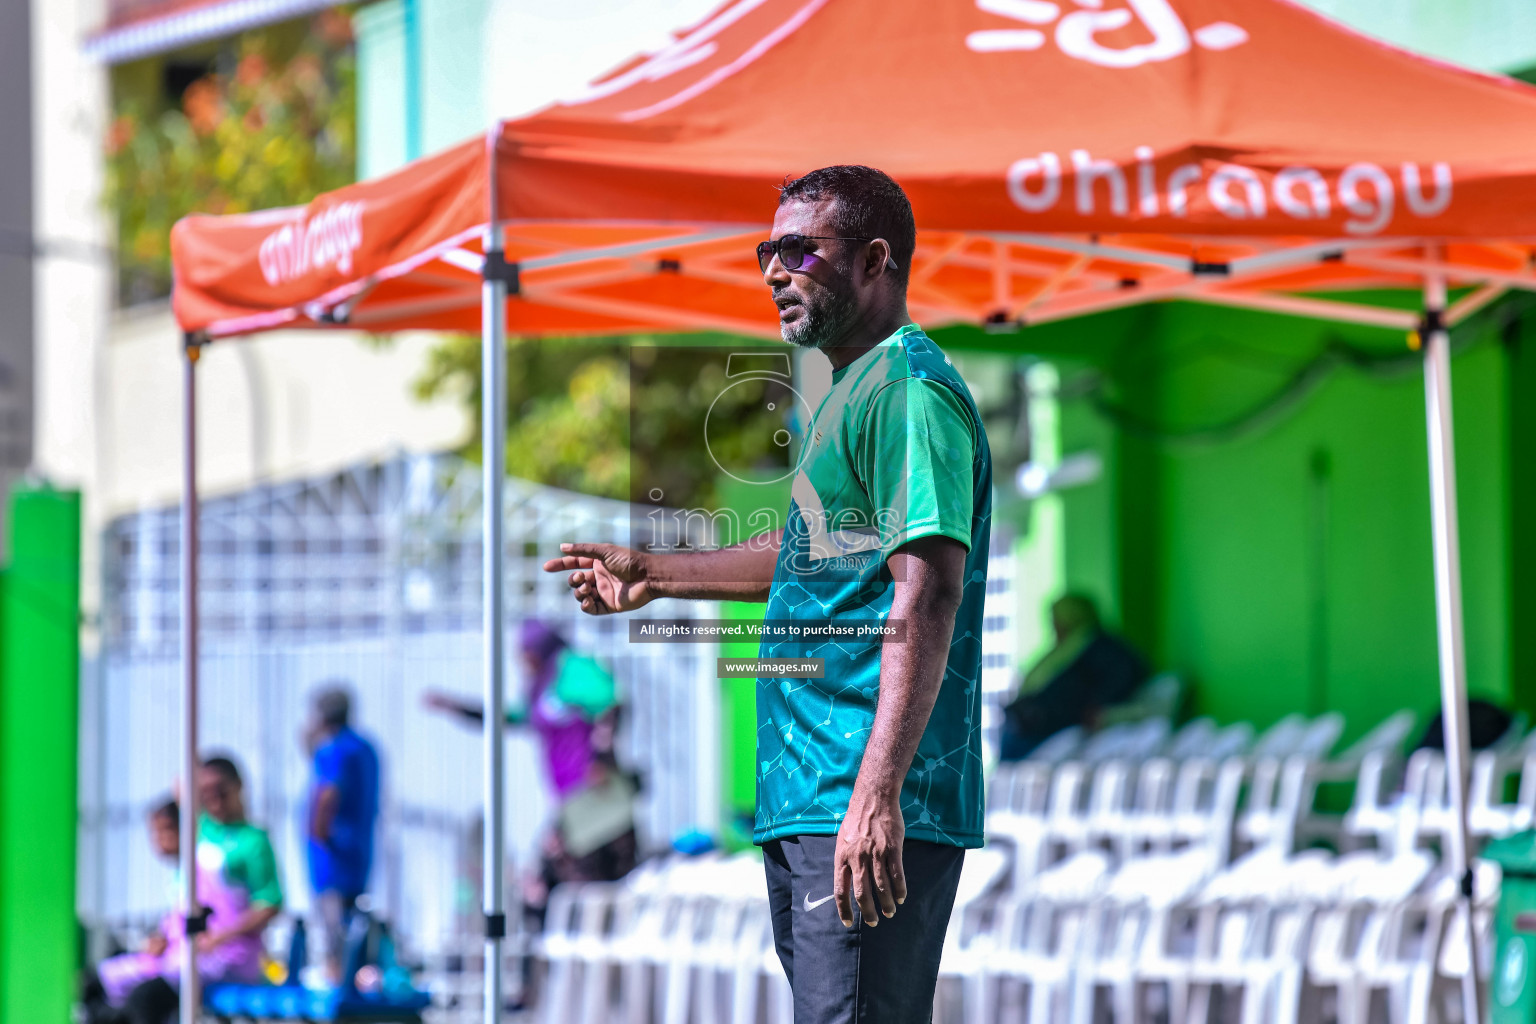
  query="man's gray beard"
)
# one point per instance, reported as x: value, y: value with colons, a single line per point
x: 823, y: 322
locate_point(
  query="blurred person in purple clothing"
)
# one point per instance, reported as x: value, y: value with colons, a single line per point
x: 571, y: 706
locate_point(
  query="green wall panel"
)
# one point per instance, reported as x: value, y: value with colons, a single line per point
x: 1288, y: 567
x: 1090, y: 561
x: 1294, y: 567
x: 1520, y: 343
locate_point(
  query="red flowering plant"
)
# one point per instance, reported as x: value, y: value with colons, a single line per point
x: 273, y: 125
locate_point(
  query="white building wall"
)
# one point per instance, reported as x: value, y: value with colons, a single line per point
x: 537, y: 52
x: 270, y: 407
x: 108, y: 415
x: 72, y: 266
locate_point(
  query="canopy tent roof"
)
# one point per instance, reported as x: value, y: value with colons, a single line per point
x: 1062, y: 157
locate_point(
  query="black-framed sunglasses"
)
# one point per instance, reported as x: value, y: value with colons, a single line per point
x: 791, y: 250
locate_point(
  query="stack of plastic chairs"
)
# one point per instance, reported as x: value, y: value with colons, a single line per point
x: 1035, y: 943
x: 682, y: 939
x: 1134, y: 875
x: 1133, y: 938
x: 1122, y: 901
x: 1136, y: 789
x: 1400, y: 803
x: 1373, y: 939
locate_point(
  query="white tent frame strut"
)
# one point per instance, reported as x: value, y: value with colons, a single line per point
x: 1453, y: 663
x: 500, y: 279
x: 192, y: 913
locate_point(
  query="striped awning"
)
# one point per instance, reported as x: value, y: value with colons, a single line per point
x: 142, y: 29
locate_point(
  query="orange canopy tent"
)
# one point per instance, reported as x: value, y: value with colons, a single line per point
x: 1062, y: 156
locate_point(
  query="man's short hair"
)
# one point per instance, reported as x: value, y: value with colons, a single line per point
x: 868, y: 204
x: 224, y: 767
x: 333, y: 703
x: 167, y: 810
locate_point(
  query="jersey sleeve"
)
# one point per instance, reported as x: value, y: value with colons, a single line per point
x: 257, y: 869
x: 329, y: 765
x: 915, y: 457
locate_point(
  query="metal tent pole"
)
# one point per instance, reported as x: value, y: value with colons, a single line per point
x: 1453, y: 665
x: 192, y: 913
x: 498, y: 277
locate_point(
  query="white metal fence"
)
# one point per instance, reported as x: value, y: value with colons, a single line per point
x: 371, y: 576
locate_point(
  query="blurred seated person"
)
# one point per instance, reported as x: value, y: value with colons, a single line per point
x: 1487, y: 724
x: 572, y: 708
x: 237, y: 884
x: 106, y: 991
x: 1086, y: 671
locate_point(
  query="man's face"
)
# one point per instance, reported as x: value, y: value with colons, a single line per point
x: 818, y: 301
x: 219, y: 796
x: 316, y: 730
x: 164, y: 837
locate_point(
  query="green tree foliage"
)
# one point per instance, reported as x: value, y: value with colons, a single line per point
x: 614, y: 418
x: 276, y: 127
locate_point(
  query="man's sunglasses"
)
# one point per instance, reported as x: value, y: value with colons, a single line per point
x: 791, y: 250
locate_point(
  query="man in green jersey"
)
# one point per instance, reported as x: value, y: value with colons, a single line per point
x: 869, y: 773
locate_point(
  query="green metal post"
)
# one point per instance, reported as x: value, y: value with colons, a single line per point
x: 39, y: 691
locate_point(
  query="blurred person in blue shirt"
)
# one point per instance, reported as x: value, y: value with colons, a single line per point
x: 343, y: 809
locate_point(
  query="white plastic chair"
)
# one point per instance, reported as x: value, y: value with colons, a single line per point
x: 1129, y: 943
x: 599, y: 952
x: 1193, y: 739
x: 1107, y: 812
x: 1147, y: 827
x: 1205, y: 800
x: 1361, y: 944
x: 1038, y: 952
x: 640, y: 952
x: 754, y: 941
x: 969, y: 944
x: 1066, y: 817
x: 1282, y: 785
x: 1021, y: 821
x: 576, y: 919
x: 1059, y: 746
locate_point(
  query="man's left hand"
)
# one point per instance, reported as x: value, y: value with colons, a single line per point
x: 866, y: 868
x: 209, y: 941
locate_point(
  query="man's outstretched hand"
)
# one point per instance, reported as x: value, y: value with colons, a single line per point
x: 606, y: 577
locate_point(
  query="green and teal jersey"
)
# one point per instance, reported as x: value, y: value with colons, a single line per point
x: 581, y: 684
x: 242, y: 856
x: 896, y: 452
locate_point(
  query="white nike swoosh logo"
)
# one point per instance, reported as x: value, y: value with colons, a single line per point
x: 808, y: 905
